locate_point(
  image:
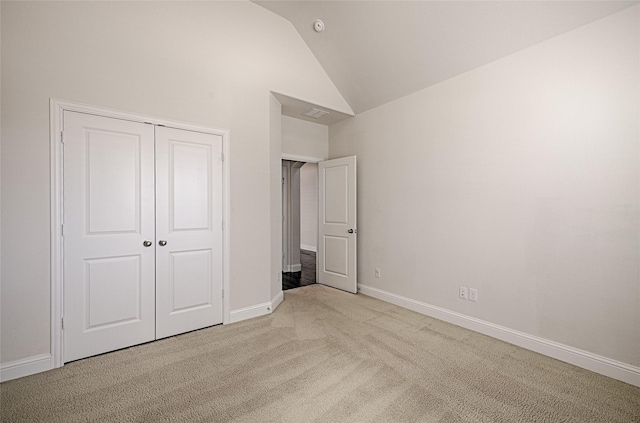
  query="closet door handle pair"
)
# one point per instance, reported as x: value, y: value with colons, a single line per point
x: 148, y: 243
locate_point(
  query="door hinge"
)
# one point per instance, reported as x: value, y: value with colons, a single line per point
x: 62, y: 230
x: 62, y: 137
x: 62, y: 322
x: 223, y: 293
x: 222, y: 156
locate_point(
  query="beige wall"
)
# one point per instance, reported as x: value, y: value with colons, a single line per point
x: 303, y: 138
x: 209, y: 63
x: 275, y: 136
x: 521, y: 179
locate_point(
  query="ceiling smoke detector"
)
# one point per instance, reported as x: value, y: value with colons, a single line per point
x: 318, y: 25
x: 315, y: 113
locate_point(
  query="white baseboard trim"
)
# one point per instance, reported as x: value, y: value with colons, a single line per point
x: 309, y: 248
x: 250, y: 312
x: 257, y: 310
x: 596, y: 363
x: 275, y: 301
x: 292, y: 268
x: 25, y: 367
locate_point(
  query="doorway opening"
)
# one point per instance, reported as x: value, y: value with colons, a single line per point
x: 299, y: 223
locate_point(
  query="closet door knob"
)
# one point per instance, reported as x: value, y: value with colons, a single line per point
x: 147, y: 243
x: 162, y: 243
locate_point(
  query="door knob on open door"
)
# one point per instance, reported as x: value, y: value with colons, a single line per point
x: 147, y: 243
x: 351, y: 231
x: 162, y: 243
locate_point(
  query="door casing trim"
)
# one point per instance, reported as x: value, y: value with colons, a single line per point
x: 57, y: 108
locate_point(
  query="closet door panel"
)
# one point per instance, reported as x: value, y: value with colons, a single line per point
x: 109, y: 274
x: 188, y: 230
x: 190, y: 189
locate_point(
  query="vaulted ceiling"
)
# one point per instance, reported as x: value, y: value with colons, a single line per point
x: 378, y: 51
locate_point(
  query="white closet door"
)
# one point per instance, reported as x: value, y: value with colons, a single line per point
x: 188, y: 230
x: 109, y: 286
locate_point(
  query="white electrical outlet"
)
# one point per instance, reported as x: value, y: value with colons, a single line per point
x: 463, y: 292
x: 377, y: 272
x: 473, y: 294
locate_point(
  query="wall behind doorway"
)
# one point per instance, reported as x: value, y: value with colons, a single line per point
x: 303, y: 138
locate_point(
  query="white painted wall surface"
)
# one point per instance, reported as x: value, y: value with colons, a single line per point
x: 275, y: 140
x: 309, y: 207
x: 208, y: 63
x: 302, y: 138
x: 521, y: 179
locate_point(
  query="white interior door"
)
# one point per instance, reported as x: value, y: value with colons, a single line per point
x: 109, y: 272
x: 126, y: 186
x: 188, y: 230
x: 337, y: 230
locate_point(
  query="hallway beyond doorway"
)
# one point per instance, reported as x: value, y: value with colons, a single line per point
x: 305, y: 277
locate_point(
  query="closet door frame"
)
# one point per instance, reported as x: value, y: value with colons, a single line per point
x: 56, y: 120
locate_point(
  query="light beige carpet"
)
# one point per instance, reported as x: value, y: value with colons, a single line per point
x: 322, y: 356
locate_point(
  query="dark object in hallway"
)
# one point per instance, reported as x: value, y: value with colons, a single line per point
x: 306, y: 277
